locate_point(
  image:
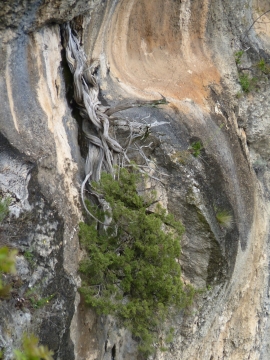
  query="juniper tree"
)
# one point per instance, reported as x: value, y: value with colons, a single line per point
x: 132, y: 269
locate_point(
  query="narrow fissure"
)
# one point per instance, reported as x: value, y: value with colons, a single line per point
x: 113, y: 352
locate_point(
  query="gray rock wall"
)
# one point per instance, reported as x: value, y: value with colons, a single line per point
x: 185, y: 51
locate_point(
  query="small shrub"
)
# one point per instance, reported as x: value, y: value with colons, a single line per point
x: 36, y: 300
x: 238, y: 56
x: 196, y: 148
x: 29, y: 256
x: 38, y: 303
x: 7, y: 260
x: 245, y: 82
x: 263, y: 67
x: 132, y: 270
x: 7, y: 265
x: 4, y: 204
x: 225, y: 219
x: 32, y: 351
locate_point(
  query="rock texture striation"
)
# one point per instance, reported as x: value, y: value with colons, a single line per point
x: 184, y: 50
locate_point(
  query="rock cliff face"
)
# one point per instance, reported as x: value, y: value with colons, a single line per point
x: 184, y: 50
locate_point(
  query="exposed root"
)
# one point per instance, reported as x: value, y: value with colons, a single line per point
x: 103, y: 150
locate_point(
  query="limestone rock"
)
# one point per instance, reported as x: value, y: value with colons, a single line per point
x: 183, y: 50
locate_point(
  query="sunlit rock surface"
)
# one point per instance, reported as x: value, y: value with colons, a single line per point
x: 183, y: 50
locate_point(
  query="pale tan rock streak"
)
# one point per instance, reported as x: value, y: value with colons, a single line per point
x: 47, y: 47
x: 164, y: 53
x: 48, y: 62
x: 9, y: 90
x: 262, y: 25
x: 48, y: 53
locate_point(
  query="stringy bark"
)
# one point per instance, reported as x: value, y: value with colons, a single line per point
x: 103, y: 150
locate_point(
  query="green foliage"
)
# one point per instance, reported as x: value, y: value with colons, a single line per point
x: 7, y: 265
x: 7, y: 260
x: 263, y: 67
x: 238, y: 56
x: 248, y: 82
x: 36, y: 300
x: 38, y: 303
x: 7, y: 256
x: 132, y: 270
x: 4, y: 204
x: 245, y: 82
x: 224, y: 218
x: 196, y: 148
x: 32, y: 351
x: 29, y: 256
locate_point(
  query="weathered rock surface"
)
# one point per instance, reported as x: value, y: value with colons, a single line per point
x: 183, y: 50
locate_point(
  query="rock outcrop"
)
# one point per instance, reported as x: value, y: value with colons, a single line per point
x: 184, y: 50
